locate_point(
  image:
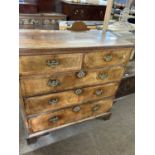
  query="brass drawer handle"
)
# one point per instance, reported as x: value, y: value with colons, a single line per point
x: 76, y: 109
x: 103, y: 76
x: 53, y: 101
x: 53, y: 63
x: 81, y: 74
x: 96, y: 108
x: 101, y: 13
x: 76, y: 11
x: 99, y: 92
x: 108, y: 58
x: 54, y: 119
x: 78, y: 91
x: 53, y: 83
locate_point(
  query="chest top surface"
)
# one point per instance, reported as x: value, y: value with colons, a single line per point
x: 49, y: 39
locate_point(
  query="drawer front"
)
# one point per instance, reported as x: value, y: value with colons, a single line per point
x: 56, y: 101
x: 49, y: 63
x: 107, y: 57
x: 61, y: 82
x: 73, y: 114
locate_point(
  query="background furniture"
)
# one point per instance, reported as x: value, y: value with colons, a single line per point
x: 83, y: 11
x: 28, y: 7
x: 46, y: 5
x: 47, y: 21
x: 79, y: 27
x: 127, y: 85
x: 37, y: 6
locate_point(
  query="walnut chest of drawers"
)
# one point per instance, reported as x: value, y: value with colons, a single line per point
x: 68, y: 77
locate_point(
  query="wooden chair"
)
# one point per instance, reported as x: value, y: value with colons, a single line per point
x: 79, y: 26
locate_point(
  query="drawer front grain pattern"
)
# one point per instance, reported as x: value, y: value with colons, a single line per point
x: 30, y: 65
x: 56, y: 101
x: 107, y: 57
x: 61, y: 82
x: 73, y: 114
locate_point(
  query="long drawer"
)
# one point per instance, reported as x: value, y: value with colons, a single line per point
x: 46, y: 64
x: 60, y: 82
x: 107, y: 57
x: 56, y: 101
x: 73, y: 114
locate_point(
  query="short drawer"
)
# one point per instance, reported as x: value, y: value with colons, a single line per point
x: 107, y: 57
x: 60, y: 82
x: 56, y: 101
x: 30, y: 65
x: 69, y: 115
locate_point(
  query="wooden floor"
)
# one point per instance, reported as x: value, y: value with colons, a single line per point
x: 95, y: 137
